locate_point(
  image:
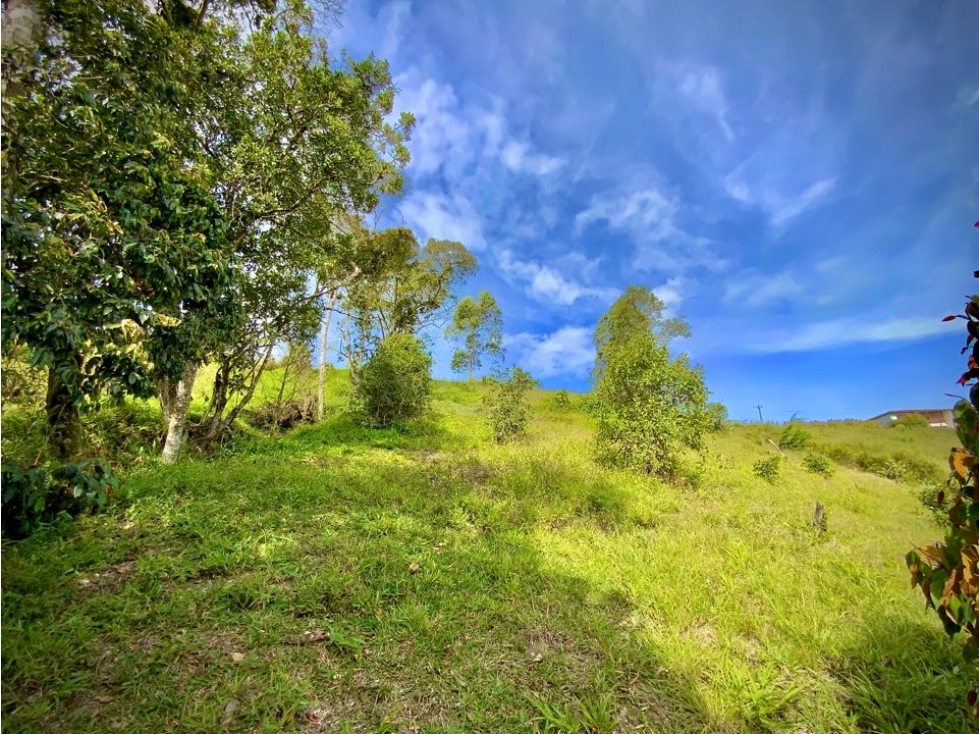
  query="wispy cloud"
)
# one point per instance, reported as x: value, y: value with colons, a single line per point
x: 520, y: 157
x: 444, y: 217
x: 754, y: 290
x: 781, y: 205
x: 546, y: 284
x: 649, y: 217
x: 567, y: 351
x: 701, y: 87
x: 835, y: 333
x: 671, y: 294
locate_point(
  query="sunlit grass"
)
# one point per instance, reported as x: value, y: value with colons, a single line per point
x: 337, y: 578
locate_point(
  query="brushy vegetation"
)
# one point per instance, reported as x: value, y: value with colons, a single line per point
x: 947, y: 571
x: 912, y: 420
x: 506, y: 404
x: 794, y: 437
x: 649, y: 405
x: 340, y: 578
x: 816, y: 464
x: 767, y: 469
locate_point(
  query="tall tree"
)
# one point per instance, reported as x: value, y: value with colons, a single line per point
x: 108, y: 226
x: 649, y: 404
x: 478, y: 323
x: 410, y: 290
x: 295, y: 142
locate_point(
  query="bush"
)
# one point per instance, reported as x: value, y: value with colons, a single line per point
x: 767, y: 469
x: 649, y: 407
x: 506, y: 405
x: 32, y: 496
x: 933, y: 499
x: 912, y: 420
x: 283, y: 416
x: 899, y: 466
x: 816, y: 464
x: 396, y: 383
x: 562, y: 399
x: 794, y: 437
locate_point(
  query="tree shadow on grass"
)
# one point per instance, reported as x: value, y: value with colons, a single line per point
x: 344, y: 599
x: 907, y: 678
x: 344, y: 432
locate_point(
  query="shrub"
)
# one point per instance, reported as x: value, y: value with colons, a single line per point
x: 395, y: 384
x: 562, y: 399
x: 649, y: 405
x: 283, y: 416
x: 816, y: 464
x: 912, y: 420
x: 946, y: 570
x: 33, y: 495
x: 794, y: 437
x: 767, y: 469
x: 506, y: 404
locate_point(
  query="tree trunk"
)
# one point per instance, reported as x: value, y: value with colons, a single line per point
x: 324, y: 336
x: 219, y: 400
x: 246, y: 398
x: 64, y: 428
x: 177, y: 420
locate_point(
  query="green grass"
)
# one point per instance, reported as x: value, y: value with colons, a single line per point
x: 342, y: 579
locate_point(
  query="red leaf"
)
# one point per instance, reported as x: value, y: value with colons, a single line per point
x: 962, y: 380
x: 976, y: 224
x: 949, y: 318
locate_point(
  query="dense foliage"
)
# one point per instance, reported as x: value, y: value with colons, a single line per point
x: 948, y: 570
x: 649, y: 404
x: 32, y: 496
x: 172, y: 180
x: 396, y: 383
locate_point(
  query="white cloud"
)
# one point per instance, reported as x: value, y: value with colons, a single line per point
x: 567, y: 351
x: 969, y: 95
x: 781, y: 204
x: 547, y: 284
x: 754, y: 290
x: 519, y: 157
x: 842, y: 332
x: 398, y: 13
x: 671, y: 294
x: 433, y: 215
x: 702, y: 87
x: 649, y: 217
x: 442, y: 134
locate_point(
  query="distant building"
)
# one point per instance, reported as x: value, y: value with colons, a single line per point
x: 941, y: 418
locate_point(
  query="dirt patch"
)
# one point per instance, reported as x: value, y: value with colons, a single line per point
x: 111, y: 579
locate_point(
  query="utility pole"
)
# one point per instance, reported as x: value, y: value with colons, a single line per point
x: 760, y: 419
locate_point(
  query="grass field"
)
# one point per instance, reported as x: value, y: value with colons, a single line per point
x: 340, y: 579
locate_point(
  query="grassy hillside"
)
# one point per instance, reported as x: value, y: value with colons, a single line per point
x: 340, y: 579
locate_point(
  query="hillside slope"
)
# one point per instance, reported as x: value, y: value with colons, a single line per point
x: 339, y: 579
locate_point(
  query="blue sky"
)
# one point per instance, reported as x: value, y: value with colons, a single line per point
x: 798, y: 179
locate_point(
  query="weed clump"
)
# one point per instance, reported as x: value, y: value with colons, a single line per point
x: 816, y: 464
x: 767, y: 469
x: 794, y: 437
